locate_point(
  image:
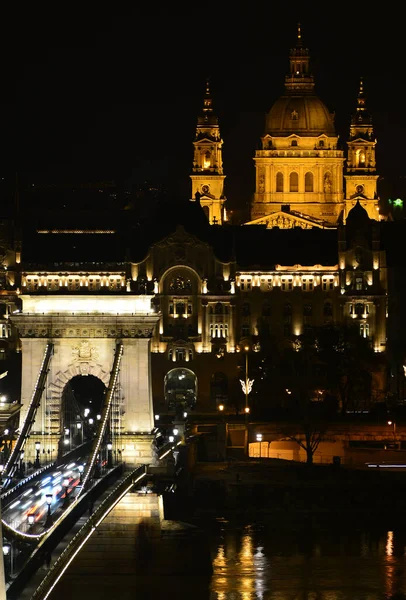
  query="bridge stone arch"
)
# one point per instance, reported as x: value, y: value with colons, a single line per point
x: 84, y: 332
x: 55, y: 389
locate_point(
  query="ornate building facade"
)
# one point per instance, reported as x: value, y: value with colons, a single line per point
x: 314, y: 252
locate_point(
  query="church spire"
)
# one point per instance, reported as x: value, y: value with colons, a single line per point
x: 207, y: 172
x: 361, y: 176
x: 299, y: 80
x: 207, y: 118
x: 361, y: 116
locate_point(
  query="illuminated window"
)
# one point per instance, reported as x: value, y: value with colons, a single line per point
x: 359, y: 309
x: 321, y: 144
x: 293, y: 143
x: 180, y: 284
x: 206, y: 161
x: 358, y: 283
x: 279, y: 182
x: 180, y: 354
x: 294, y: 182
x: 364, y: 330
x: 309, y: 182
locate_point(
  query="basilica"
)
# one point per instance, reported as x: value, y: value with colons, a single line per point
x: 314, y: 251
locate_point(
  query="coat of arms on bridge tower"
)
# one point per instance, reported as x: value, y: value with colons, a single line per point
x: 84, y: 352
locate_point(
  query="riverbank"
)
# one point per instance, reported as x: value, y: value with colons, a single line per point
x: 284, y: 489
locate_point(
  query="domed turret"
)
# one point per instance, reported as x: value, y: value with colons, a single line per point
x: 358, y: 215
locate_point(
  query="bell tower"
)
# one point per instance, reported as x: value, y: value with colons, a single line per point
x: 361, y: 178
x: 207, y: 173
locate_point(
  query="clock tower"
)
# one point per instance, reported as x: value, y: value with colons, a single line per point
x: 207, y: 173
x: 361, y: 178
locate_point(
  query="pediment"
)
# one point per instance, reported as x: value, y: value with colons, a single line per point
x: 285, y: 220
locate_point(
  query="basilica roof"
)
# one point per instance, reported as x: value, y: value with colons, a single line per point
x: 299, y: 110
x: 304, y: 115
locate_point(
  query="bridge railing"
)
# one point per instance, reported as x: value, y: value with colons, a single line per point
x: 47, y: 540
x: 61, y: 564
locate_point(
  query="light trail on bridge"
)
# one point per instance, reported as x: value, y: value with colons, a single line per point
x: 33, y: 501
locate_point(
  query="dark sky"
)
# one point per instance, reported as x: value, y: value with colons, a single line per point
x: 113, y: 94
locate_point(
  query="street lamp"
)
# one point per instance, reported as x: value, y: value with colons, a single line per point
x: 394, y: 428
x: 8, y: 559
x: 247, y: 383
x: 109, y: 455
x: 81, y: 468
x: 22, y: 463
x: 259, y: 437
x: 49, y: 520
x: 37, y: 448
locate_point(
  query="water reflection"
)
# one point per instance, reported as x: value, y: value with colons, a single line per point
x: 272, y: 562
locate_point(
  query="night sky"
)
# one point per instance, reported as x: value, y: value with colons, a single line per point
x: 114, y: 94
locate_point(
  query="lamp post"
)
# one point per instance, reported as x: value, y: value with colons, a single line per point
x: 81, y: 468
x: 30, y: 521
x: 247, y: 383
x: 109, y: 455
x: 394, y: 428
x: 37, y: 448
x: 49, y: 520
x: 22, y: 463
x: 8, y: 562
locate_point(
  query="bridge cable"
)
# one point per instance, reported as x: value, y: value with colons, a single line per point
x: 31, y: 411
x: 108, y: 399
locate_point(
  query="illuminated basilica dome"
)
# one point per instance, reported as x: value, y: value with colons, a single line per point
x: 304, y: 115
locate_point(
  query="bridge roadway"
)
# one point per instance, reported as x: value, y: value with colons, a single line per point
x: 73, y: 521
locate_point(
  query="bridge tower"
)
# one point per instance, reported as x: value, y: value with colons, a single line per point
x: 84, y: 332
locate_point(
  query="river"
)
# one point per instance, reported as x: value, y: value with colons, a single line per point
x: 334, y: 561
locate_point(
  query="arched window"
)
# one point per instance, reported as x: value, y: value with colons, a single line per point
x: 279, y: 182
x: 359, y: 309
x: 293, y: 143
x: 309, y: 182
x: 218, y: 308
x: 294, y: 182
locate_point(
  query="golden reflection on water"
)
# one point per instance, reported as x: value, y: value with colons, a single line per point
x: 311, y: 565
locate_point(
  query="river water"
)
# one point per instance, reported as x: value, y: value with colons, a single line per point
x: 260, y: 561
